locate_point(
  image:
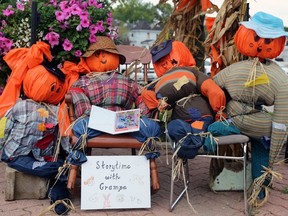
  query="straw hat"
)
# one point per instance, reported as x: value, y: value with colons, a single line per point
x: 104, y: 43
x: 266, y: 25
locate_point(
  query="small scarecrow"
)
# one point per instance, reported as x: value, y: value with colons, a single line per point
x: 192, y: 96
x: 253, y: 83
x: 30, y: 136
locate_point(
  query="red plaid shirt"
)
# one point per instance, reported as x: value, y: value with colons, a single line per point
x: 112, y: 91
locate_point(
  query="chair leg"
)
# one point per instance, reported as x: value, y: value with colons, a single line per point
x: 72, y: 177
x: 186, y: 173
x: 245, y: 179
x: 286, y: 152
x: 154, y: 176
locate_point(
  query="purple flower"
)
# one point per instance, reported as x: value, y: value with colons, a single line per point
x: 92, y: 2
x: 67, y: 13
x: 75, y: 10
x: 84, y: 15
x: 78, y: 53
x: 99, y: 5
x: 93, y: 29
x: 5, y: 45
x: 52, y: 38
x: 79, y: 27
x: 54, y: 3
x: 63, y: 5
x: 59, y: 16
x: 92, y: 38
x: 100, y: 26
x: 67, y: 45
x: 85, y: 23
x: 7, y: 12
x: 20, y: 6
x: 109, y: 21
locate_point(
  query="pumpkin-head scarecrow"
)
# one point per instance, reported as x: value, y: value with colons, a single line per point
x: 103, y: 56
x: 32, y: 123
x: 33, y: 72
x: 257, y: 38
x: 255, y: 83
x: 102, y: 85
x: 192, y: 96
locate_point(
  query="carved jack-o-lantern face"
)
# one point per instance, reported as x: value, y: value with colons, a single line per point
x: 42, y: 86
x: 250, y: 44
x: 163, y: 65
x: 102, y: 61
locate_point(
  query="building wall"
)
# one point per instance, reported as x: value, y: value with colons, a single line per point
x: 142, y: 37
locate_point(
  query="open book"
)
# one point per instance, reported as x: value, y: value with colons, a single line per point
x: 114, y: 122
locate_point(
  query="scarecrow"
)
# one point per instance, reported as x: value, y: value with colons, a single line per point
x: 101, y: 84
x: 192, y: 96
x: 253, y: 83
x: 30, y: 136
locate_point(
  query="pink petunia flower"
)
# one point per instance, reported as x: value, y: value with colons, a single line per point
x: 7, y: 12
x: 20, y: 6
x: 92, y: 38
x: 59, y: 16
x: 79, y: 28
x: 67, y: 45
x: 75, y: 9
x: 78, y: 53
x: 85, y: 23
x: 93, y: 29
x: 52, y: 38
x: 100, y: 26
x: 63, y: 5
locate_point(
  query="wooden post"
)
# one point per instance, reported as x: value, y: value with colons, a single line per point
x: 34, y: 22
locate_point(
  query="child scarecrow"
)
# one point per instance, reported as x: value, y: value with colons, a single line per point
x: 30, y: 125
x: 193, y: 97
x: 102, y: 85
x: 253, y: 83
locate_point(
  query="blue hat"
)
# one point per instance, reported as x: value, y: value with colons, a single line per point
x: 266, y: 25
x: 161, y: 50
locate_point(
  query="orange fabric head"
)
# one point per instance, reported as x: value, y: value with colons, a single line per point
x: 180, y: 55
x: 42, y: 86
x: 20, y: 60
x: 250, y: 44
x: 102, y: 61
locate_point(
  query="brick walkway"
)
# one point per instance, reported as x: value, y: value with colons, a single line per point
x: 205, y: 202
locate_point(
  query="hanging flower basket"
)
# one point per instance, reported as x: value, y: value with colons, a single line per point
x: 68, y: 26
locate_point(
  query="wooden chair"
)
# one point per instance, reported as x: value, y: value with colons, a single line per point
x: 108, y: 141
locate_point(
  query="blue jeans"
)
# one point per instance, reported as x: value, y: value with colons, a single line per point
x: 148, y: 128
x: 178, y: 129
x: 27, y: 164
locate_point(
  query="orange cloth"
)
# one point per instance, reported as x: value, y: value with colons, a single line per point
x: 180, y: 53
x: 215, y: 94
x: 20, y: 60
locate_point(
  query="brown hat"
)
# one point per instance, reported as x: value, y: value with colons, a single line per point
x: 104, y: 43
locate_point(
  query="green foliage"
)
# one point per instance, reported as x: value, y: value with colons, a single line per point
x: 285, y: 191
x: 131, y: 11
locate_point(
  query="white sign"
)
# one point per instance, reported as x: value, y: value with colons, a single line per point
x: 115, y: 182
x: 114, y: 122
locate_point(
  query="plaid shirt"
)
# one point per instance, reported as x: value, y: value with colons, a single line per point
x: 27, y: 124
x: 112, y: 91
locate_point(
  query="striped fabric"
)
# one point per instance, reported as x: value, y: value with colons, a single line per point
x: 245, y: 103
